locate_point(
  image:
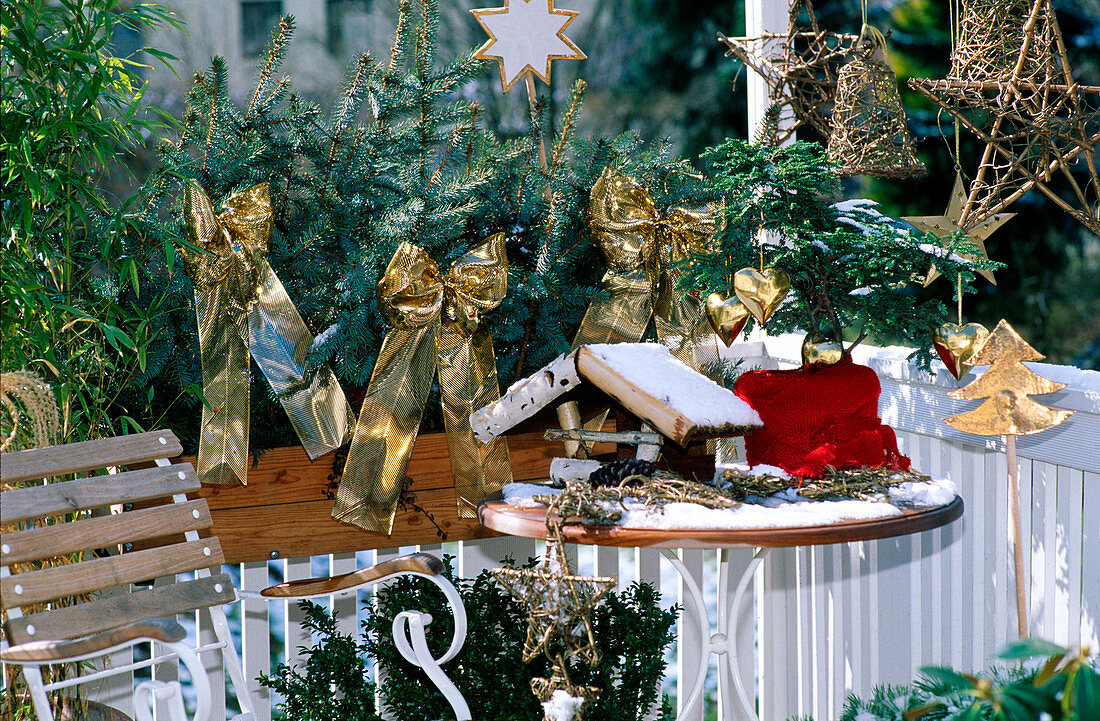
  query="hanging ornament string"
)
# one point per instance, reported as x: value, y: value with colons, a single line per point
x: 875, y: 36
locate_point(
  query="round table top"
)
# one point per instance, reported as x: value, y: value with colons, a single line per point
x: 530, y: 522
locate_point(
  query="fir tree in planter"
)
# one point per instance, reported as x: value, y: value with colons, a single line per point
x: 401, y: 156
x: 850, y: 267
x: 850, y: 270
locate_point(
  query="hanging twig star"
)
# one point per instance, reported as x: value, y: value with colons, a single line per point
x: 559, y: 605
x: 800, y: 67
x: 1035, y: 120
x: 524, y: 37
x: 949, y: 222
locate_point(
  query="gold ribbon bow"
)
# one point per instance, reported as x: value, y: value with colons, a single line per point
x: 436, y: 327
x: 243, y: 310
x: 641, y: 246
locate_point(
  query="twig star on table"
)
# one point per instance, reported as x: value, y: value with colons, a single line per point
x: 524, y: 37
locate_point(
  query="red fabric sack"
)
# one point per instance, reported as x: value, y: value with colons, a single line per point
x: 818, y: 416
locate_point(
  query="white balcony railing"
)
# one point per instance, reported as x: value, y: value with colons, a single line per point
x: 832, y: 620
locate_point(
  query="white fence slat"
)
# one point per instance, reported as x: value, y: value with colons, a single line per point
x: 256, y: 635
x: 1004, y: 616
x: 295, y: 635
x: 476, y: 556
x: 345, y: 609
x: 1071, y: 481
x: 689, y: 643
x: 215, y: 666
x: 1090, y: 553
x: 777, y: 655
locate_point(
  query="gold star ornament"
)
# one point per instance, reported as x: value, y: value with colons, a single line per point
x: 948, y: 223
x: 524, y: 37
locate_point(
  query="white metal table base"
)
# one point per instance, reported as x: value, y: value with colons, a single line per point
x: 723, y: 642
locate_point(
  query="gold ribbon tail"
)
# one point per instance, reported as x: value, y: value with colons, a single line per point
x: 280, y: 341
x: 467, y: 382
x: 386, y: 431
x: 223, y: 437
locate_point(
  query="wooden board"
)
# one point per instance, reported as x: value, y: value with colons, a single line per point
x: 22, y: 504
x: 671, y: 423
x: 531, y: 523
x: 88, y: 455
x: 285, y: 511
x: 115, y: 611
x: 100, y: 573
x: 164, y: 630
x: 104, y: 531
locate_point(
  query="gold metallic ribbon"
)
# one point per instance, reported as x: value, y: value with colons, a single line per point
x: 436, y: 327
x: 243, y: 310
x: 641, y: 246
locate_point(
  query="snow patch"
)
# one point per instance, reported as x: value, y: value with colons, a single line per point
x: 653, y: 369
x: 522, y: 495
x: 562, y: 706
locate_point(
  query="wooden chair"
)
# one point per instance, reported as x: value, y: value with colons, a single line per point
x: 158, y: 521
x: 408, y: 626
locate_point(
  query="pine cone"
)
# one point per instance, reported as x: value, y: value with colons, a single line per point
x: 616, y: 472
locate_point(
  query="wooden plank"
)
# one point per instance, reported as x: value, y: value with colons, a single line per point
x: 307, y: 529
x: 160, y: 629
x: 287, y: 475
x: 88, y: 455
x: 104, y: 531
x: 671, y: 423
x: 102, y: 614
x: 99, y: 573
x: 81, y: 494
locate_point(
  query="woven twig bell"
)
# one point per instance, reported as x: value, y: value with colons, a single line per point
x: 991, y: 35
x: 869, y: 134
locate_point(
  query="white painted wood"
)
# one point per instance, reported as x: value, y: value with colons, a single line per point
x: 1090, y: 553
x: 346, y: 608
x: 256, y: 635
x: 689, y: 644
x: 215, y: 667
x: 1071, y: 481
x: 295, y: 635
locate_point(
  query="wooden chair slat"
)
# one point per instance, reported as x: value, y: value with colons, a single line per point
x: 99, y: 573
x: 160, y: 629
x: 54, y: 499
x: 88, y: 455
x: 103, y: 614
x: 104, y: 531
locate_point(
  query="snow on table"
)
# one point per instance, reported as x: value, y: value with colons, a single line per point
x: 782, y: 510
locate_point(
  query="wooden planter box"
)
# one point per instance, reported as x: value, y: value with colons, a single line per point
x: 285, y: 511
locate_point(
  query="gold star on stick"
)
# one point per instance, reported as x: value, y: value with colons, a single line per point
x: 524, y: 37
x: 949, y: 222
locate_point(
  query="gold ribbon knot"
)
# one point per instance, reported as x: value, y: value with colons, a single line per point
x: 642, y: 246
x: 244, y: 311
x: 437, y: 327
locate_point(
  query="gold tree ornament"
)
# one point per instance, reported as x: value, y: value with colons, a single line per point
x: 956, y: 345
x: 951, y: 220
x: 869, y: 133
x: 799, y: 66
x: 1009, y: 411
x: 525, y: 36
x: 1006, y: 386
x: 1012, y: 86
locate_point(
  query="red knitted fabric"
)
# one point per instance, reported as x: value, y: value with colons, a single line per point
x: 818, y: 416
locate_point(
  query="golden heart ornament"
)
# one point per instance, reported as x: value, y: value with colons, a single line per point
x: 727, y: 316
x: 955, y: 344
x: 761, y: 291
x: 819, y: 350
